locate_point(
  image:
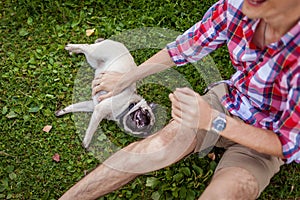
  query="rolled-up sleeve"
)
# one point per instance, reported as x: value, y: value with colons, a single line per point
x: 289, y: 127
x: 202, y: 38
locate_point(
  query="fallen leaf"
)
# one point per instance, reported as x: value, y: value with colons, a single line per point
x: 47, y: 128
x: 11, y: 115
x: 56, y: 157
x: 89, y: 32
x: 212, y: 156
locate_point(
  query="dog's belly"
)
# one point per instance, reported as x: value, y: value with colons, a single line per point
x: 116, y: 104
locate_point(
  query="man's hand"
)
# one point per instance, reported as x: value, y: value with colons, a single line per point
x: 111, y: 82
x: 190, y: 109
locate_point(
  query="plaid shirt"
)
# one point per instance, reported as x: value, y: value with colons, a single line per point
x: 265, y: 89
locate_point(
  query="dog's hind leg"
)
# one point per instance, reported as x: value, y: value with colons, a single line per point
x: 85, y: 106
x: 77, y: 48
x: 92, y: 54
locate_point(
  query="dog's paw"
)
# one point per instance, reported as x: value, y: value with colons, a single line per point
x: 70, y: 48
x: 85, y: 144
x: 59, y: 113
x: 75, y: 48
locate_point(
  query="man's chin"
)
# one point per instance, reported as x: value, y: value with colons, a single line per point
x: 251, y: 10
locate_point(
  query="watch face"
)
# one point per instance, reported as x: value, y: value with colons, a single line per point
x: 219, y: 125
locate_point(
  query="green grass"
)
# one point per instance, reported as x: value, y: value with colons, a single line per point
x: 37, y: 78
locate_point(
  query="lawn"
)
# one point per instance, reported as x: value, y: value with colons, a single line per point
x: 39, y: 77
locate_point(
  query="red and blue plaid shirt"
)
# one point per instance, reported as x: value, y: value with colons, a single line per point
x: 265, y: 89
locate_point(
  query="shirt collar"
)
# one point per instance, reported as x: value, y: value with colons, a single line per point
x: 250, y: 26
x: 291, y: 34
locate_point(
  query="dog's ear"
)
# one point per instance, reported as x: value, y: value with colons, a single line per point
x: 152, y: 105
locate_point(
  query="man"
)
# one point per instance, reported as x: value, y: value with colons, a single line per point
x: 256, y: 113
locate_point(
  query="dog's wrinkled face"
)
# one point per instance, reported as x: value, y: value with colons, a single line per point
x: 139, y: 119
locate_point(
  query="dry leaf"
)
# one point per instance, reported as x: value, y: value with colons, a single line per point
x: 212, y: 156
x: 47, y: 128
x: 89, y: 32
x: 56, y: 157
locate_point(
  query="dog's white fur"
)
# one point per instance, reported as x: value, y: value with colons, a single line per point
x: 107, y: 55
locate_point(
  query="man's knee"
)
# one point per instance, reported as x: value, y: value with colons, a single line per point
x: 232, y: 183
x: 164, y: 148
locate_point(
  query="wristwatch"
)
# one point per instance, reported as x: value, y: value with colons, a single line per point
x: 219, y: 123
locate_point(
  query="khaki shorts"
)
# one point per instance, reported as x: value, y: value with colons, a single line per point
x: 263, y: 167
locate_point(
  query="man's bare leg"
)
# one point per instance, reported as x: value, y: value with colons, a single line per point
x: 231, y: 183
x: 99, y: 182
x: 164, y: 148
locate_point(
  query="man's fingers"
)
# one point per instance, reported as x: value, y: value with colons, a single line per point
x: 95, y: 82
x: 186, y: 91
x: 177, y: 119
x: 185, y: 95
x: 99, y: 87
x: 172, y: 98
x: 104, y: 96
x: 176, y: 113
x: 176, y: 107
x: 95, y: 90
x: 181, y: 121
x: 99, y: 76
x: 98, y: 79
x: 177, y: 103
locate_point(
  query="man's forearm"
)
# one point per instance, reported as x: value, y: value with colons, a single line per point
x: 157, y: 63
x: 261, y: 140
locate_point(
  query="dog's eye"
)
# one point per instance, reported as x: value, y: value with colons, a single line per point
x: 131, y: 106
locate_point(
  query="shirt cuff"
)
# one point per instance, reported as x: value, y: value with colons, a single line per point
x: 175, y: 54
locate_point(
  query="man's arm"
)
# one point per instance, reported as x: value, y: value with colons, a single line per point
x: 261, y: 140
x: 157, y: 63
x: 114, y: 82
x: 188, y: 105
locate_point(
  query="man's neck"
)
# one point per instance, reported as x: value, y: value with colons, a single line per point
x: 279, y: 25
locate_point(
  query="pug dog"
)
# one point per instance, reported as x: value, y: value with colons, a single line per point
x: 127, y: 108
